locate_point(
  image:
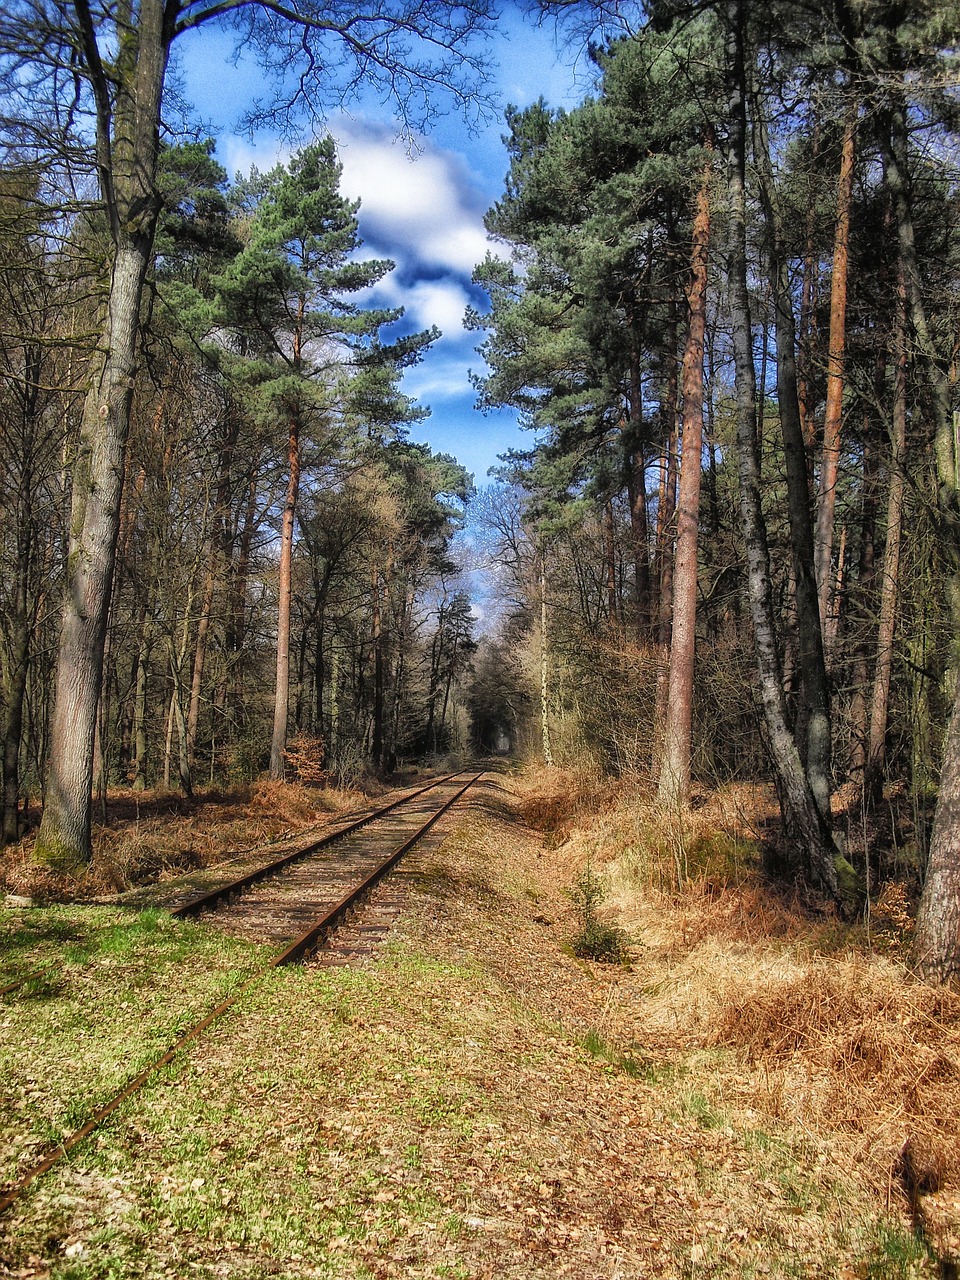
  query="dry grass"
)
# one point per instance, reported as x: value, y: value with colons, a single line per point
x: 552, y: 800
x: 153, y: 835
x: 827, y: 1030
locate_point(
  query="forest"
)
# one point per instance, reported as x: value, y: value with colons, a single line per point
x: 719, y: 293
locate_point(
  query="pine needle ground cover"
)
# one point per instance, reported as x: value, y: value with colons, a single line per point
x: 478, y: 1101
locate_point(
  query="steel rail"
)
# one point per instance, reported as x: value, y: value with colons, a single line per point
x: 317, y: 931
x: 22, y: 982
x: 296, y: 950
x: 213, y: 896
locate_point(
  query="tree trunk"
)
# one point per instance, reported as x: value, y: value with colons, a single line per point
x: 140, y: 707
x: 674, y: 784
x: 64, y: 836
x: 890, y: 578
x: 937, y: 941
x: 815, y: 711
x: 544, y: 671
x: 14, y: 691
x: 800, y: 811
x: 666, y: 558
x: 836, y: 357
x: 808, y: 311
x: 281, y: 704
x: 127, y: 147
x: 378, y: 681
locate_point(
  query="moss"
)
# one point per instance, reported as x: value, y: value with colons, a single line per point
x: 59, y: 854
x: 849, y: 885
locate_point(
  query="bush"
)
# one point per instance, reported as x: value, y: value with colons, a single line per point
x: 596, y: 940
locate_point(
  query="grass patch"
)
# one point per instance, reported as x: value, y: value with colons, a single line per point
x: 116, y: 990
x: 435, y: 1114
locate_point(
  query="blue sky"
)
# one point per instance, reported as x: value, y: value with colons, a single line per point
x: 424, y: 211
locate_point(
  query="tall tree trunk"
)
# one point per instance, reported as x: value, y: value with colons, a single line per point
x: 937, y: 940
x: 836, y: 359
x: 666, y: 557
x: 127, y: 147
x: 64, y: 836
x: 636, y: 477
x: 544, y: 669
x: 278, y: 744
x: 808, y: 311
x: 815, y: 712
x: 140, y: 705
x: 14, y: 692
x: 801, y: 813
x: 890, y: 577
x: 674, y: 784
x: 864, y: 597
x: 378, y: 670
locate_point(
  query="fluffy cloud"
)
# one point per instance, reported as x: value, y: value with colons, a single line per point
x: 426, y: 205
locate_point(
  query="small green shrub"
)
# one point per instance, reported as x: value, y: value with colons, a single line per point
x: 596, y: 940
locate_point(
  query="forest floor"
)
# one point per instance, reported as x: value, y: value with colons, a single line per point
x: 750, y: 1093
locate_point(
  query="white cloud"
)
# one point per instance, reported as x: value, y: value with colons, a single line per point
x: 240, y: 155
x: 439, y: 302
x: 428, y: 203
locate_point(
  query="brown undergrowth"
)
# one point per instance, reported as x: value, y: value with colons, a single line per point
x: 831, y: 1033
x: 154, y: 835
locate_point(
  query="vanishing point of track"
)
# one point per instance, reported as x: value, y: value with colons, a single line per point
x: 272, y: 902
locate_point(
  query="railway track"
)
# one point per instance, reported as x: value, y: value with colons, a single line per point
x: 183, y: 899
x: 315, y: 882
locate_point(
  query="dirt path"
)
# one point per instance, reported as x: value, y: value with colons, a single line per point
x: 459, y: 1107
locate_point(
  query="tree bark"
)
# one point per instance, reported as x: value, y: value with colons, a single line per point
x: 800, y: 810
x: 890, y: 578
x: 14, y: 692
x: 674, y: 783
x: 937, y: 941
x: 64, y: 836
x: 808, y: 311
x: 281, y: 704
x: 836, y: 359
x: 544, y: 669
x: 815, y: 718
x: 126, y: 157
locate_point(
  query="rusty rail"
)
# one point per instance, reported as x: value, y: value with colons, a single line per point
x: 206, y: 900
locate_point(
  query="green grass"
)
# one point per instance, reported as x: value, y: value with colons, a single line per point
x: 117, y: 990
x: 257, y: 1156
x: 897, y: 1254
